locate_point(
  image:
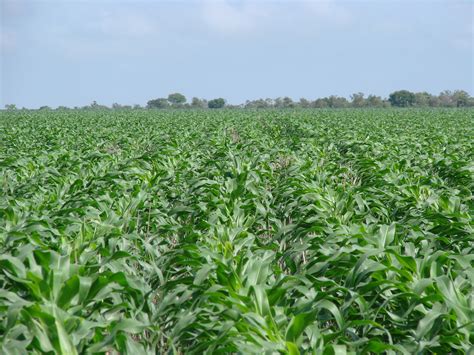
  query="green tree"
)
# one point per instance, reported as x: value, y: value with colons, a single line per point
x: 216, y: 103
x: 402, y: 98
x: 434, y: 101
x: 422, y: 99
x: 461, y: 98
x: 446, y: 99
x: 278, y: 102
x: 288, y: 102
x: 337, y: 101
x: 198, y: 103
x: 158, y: 103
x: 95, y: 106
x: 304, y: 103
x: 358, y: 100
x: 176, y: 99
x: 320, y: 103
x: 375, y: 101
x: 259, y: 103
x: 10, y: 107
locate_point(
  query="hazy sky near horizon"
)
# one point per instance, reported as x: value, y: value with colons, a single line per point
x: 73, y: 52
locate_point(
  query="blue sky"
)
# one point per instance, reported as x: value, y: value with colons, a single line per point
x: 73, y: 52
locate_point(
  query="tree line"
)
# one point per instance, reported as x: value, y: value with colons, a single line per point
x: 400, y: 98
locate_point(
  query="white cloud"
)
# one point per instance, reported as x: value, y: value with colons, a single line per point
x: 103, y: 33
x: 247, y: 16
x: 124, y: 24
x: 226, y: 18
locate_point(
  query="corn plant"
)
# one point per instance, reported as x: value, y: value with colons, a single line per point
x: 278, y: 232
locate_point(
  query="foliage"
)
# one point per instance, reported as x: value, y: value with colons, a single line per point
x: 461, y: 98
x: 158, y: 103
x: 198, y: 103
x: 358, y: 100
x: 176, y: 99
x: 402, y: 98
x: 216, y: 103
x: 237, y: 232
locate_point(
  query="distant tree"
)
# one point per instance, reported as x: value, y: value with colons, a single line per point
x: 10, y: 107
x: 422, y: 99
x: 44, y: 108
x: 337, y: 101
x: 62, y: 108
x: 278, y: 102
x: 288, y: 102
x: 117, y: 106
x: 176, y: 99
x: 375, y: 101
x: 234, y: 107
x: 269, y: 102
x: 461, y: 98
x: 198, y: 103
x: 95, y: 106
x: 304, y: 103
x: 137, y: 107
x: 434, y: 101
x: 158, y: 103
x: 264, y: 103
x: 260, y: 103
x: 446, y: 99
x: 216, y: 103
x: 358, y: 100
x: 386, y: 103
x: 402, y: 98
x: 320, y: 103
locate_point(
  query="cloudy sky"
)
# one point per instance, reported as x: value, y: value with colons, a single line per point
x: 73, y: 52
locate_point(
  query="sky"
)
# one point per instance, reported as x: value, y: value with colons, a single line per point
x: 74, y: 52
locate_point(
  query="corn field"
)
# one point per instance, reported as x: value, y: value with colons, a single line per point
x: 277, y: 232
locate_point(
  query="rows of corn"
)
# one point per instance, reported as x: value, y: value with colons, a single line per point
x: 325, y: 232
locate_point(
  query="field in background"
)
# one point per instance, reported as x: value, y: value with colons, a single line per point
x: 225, y: 231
